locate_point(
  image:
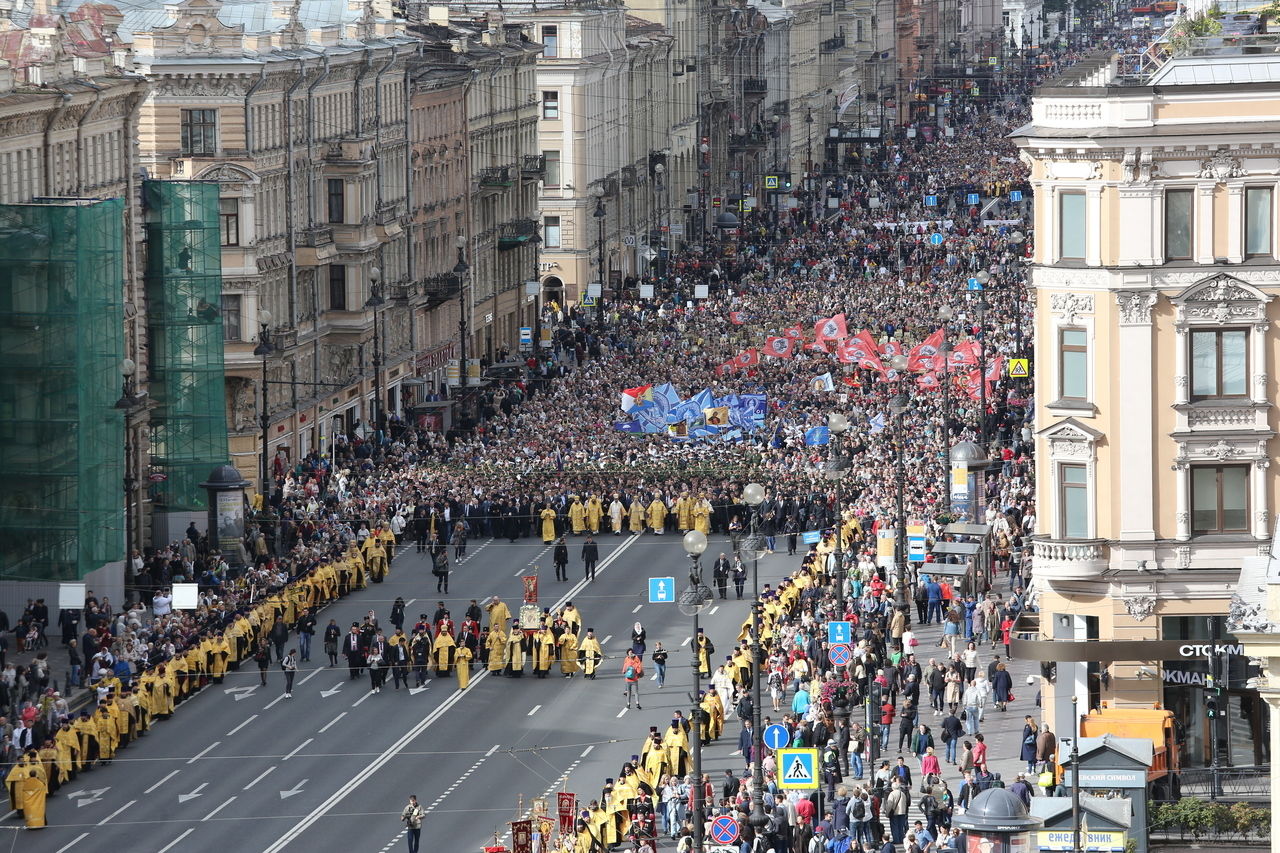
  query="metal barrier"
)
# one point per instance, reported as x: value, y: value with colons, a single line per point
x: 1247, y: 782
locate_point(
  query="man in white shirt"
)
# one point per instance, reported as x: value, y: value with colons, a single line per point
x: 161, y: 604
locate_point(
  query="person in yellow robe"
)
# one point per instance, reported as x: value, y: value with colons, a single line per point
x: 376, y: 559
x: 617, y: 515
x: 444, y: 651
x: 548, y: 516
x: 589, y: 654
x: 653, y: 757
x: 635, y: 516
x: 572, y: 618
x: 497, y: 646
x: 13, y: 782
x: 594, y: 512
x: 68, y: 747
x: 684, y: 512
x: 676, y: 742
x: 499, y: 615
x: 544, y: 651
x: 705, y: 650
x: 715, y: 711
x: 702, y: 515
x: 577, y: 516
x: 462, y: 666
x: 657, y: 515
x: 567, y: 649
x: 32, y: 793
x: 516, y: 646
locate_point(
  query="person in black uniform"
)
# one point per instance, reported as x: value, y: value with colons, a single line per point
x: 560, y: 556
x: 590, y: 556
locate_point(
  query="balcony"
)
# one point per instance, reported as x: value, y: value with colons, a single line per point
x: 632, y: 177
x: 755, y: 87
x: 832, y: 44
x: 403, y: 291
x: 1069, y: 559
x: 494, y: 178
x: 753, y: 141
x: 513, y: 235
x: 533, y: 167
x: 313, y: 246
x: 351, y: 151
x: 440, y: 288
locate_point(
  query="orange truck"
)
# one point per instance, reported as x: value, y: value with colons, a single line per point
x: 1154, y: 724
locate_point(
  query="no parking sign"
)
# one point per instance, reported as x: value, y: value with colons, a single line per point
x: 724, y: 830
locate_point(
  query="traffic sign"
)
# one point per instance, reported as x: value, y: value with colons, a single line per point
x: 972, y: 198
x: 936, y: 239
x: 931, y: 201
x: 771, y: 182
x: 839, y: 632
x: 797, y: 769
x: 588, y: 301
x: 915, y: 543
x: 776, y: 737
x: 1019, y: 368
x: 974, y: 284
x: 526, y: 337
x: 662, y: 590
x: 839, y: 655
x: 1015, y: 195
x: 724, y: 830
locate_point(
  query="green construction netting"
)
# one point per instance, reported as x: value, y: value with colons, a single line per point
x: 184, y: 295
x: 61, y: 343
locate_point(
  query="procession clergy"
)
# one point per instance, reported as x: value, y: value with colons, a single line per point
x: 705, y: 649
x: 496, y: 647
x: 657, y: 515
x: 676, y: 743
x: 444, y: 652
x: 544, y: 650
x: 567, y: 650
x: 589, y: 654
x: 617, y: 515
x: 517, y: 647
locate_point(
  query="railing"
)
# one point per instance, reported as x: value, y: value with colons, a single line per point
x: 1244, y: 782
x: 533, y: 166
x: 755, y: 86
x: 832, y: 44
x: 439, y: 288
x: 513, y: 234
x: 1069, y: 558
x: 747, y: 141
x: 495, y: 177
x: 310, y: 238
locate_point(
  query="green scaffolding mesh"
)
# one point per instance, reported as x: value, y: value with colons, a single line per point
x: 184, y: 295
x: 61, y: 343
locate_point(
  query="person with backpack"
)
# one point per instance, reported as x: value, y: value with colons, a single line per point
x: 632, y: 672
x: 860, y: 816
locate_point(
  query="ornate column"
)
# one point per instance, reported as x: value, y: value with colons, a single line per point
x: 1136, y: 450
x: 1181, y: 379
x: 1260, y: 523
x: 1182, y: 513
x: 1258, y: 361
x: 1093, y: 221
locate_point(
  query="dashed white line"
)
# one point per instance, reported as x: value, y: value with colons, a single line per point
x: 587, y: 751
x: 534, y: 711
x: 331, y: 722
x: 636, y: 609
x: 623, y: 711
x: 492, y: 750
x: 686, y: 640
x: 313, y: 674
x: 116, y: 812
x: 476, y: 551
x: 410, y: 602
x: 161, y: 782
x: 361, y: 699
x: 606, y: 640
x: 174, y: 843
x: 713, y: 610
x: 218, y: 809
x: 260, y: 777
x: 275, y: 701
x: 202, y: 752
x: 300, y: 747
x: 79, y: 838
x: 242, y: 725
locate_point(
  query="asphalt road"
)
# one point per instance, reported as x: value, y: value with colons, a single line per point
x: 330, y: 769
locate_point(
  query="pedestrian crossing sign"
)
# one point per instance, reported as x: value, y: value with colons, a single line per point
x: 1019, y: 368
x: 797, y: 769
x: 588, y: 302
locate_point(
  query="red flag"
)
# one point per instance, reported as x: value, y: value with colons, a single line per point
x: 964, y: 354
x: 779, y: 347
x: 890, y: 348
x: 921, y: 355
x: 851, y: 381
x: 816, y: 346
x: 737, y: 318
x: 972, y: 384
x: 728, y: 367
x: 994, y: 368
x: 928, y: 382
x: 795, y: 333
x: 857, y: 349
x: 747, y: 358
x: 831, y: 329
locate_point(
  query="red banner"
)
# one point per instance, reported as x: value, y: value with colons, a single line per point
x: 530, y: 589
x: 522, y: 836
x: 566, y: 805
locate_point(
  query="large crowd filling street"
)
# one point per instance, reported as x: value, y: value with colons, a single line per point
x: 544, y: 462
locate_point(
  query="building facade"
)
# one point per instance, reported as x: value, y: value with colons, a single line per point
x: 1155, y: 276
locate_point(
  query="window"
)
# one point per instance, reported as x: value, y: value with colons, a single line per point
x: 551, y: 104
x: 1073, y: 500
x: 1177, y: 225
x: 1073, y: 364
x: 1257, y: 221
x: 1219, y: 366
x: 199, y: 131
x: 337, y: 201
x: 337, y: 287
x: 229, y: 219
x: 551, y: 232
x: 550, y: 43
x: 231, y: 317
x: 1219, y: 498
x: 551, y: 177
x: 1071, y: 226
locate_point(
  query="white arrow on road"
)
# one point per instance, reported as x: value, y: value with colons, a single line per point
x: 86, y: 798
x: 337, y: 688
x: 414, y: 691
x: 241, y: 692
x: 296, y: 789
x: 182, y: 798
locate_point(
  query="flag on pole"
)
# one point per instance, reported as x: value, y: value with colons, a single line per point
x: 747, y: 358
x: 876, y: 423
x: 823, y: 382
x: 815, y: 436
x: 794, y: 332
x: 831, y: 329
x: 737, y: 318
x: 632, y: 397
x: 921, y: 356
x: 779, y: 347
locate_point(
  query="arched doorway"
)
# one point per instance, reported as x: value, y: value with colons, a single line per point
x: 553, y: 291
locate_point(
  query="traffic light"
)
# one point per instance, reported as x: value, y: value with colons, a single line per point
x: 1213, y: 710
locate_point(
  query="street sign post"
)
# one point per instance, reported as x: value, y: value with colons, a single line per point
x: 974, y: 284
x: 839, y: 655
x: 797, y: 769
x: 776, y: 737
x: 931, y: 201
x: 724, y: 830
x: 936, y: 239
x: 1015, y: 195
x: 662, y: 590
x: 1019, y: 368
x: 972, y: 198
x: 839, y: 633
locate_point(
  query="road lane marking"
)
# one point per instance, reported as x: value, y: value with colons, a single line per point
x: 587, y: 751
x: 636, y: 609
x: 80, y: 838
x: 313, y: 674
x: 174, y: 843
x: 623, y: 711
x: 242, y: 725
x: 713, y: 610
x: 409, y: 603
x: 606, y: 640
x: 534, y: 711
x: 162, y: 781
x: 361, y: 699
x: 492, y: 750
x: 273, y: 702
x: 390, y: 752
x: 331, y: 722
x: 473, y: 553
x: 261, y: 776
x: 686, y: 640
x: 301, y: 747
x: 218, y: 809
x: 201, y: 753
x: 116, y: 812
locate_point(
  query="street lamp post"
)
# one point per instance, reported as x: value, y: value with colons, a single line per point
x: 373, y: 303
x: 898, y: 407
x: 600, y: 215
x: 695, y: 599
x: 983, y: 277
x: 753, y: 496
x: 838, y: 466
x: 262, y: 350
x: 460, y: 269
x: 945, y: 314
x: 129, y: 401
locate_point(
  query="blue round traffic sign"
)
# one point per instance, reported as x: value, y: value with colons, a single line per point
x: 777, y: 737
x: 724, y: 830
x: 839, y: 654
x: 936, y: 239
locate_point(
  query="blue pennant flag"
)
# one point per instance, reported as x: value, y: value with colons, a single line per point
x: 817, y: 435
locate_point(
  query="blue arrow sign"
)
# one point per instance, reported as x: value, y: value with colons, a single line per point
x: 931, y: 201
x: 839, y: 632
x: 974, y: 284
x: 936, y: 239
x: 777, y: 737
x: 972, y: 198
x: 1015, y: 195
x: 662, y: 590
